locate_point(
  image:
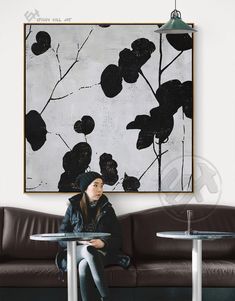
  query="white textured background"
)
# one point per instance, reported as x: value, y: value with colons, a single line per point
x: 214, y: 108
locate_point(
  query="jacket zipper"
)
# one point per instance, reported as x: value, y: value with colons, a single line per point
x: 101, y: 214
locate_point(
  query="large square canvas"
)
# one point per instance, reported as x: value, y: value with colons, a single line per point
x: 113, y: 98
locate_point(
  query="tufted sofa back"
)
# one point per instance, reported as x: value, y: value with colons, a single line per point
x: 19, y: 224
x: 138, y: 229
x: 1, y: 228
x: 126, y: 226
x: 173, y: 218
x: 16, y: 226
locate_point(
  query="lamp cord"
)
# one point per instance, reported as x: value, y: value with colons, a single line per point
x: 175, y: 13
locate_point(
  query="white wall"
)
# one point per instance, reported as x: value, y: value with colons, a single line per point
x: 214, y: 109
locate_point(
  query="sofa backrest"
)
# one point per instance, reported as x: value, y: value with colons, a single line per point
x: 1, y: 229
x: 139, y: 232
x: 173, y: 218
x: 19, y: 224
x: 126, y: 226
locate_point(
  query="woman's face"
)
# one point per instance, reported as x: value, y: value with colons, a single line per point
x: 95, y: 190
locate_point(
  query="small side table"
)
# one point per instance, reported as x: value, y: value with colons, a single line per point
x: 196, y: 237
x: 71, y: 239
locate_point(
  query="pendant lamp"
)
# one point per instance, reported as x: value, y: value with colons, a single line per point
x: 175, y: 25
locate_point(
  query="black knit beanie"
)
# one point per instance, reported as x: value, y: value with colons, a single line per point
x: 86, y: 178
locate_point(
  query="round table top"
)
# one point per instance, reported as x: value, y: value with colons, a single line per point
x: 203, y: 235
x: 83, y: 236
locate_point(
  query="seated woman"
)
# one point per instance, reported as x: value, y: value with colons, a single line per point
x: 90, y: 211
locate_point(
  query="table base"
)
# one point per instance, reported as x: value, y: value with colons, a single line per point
x: 72, y: 271
x: 197, y: 270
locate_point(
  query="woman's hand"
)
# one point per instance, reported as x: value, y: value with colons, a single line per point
x: 97, y: 243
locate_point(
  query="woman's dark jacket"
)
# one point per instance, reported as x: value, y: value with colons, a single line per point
x: 106, y: 222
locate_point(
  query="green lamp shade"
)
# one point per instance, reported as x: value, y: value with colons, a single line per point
x: 175, y: 25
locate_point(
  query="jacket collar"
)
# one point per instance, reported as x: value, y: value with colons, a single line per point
x: 103, y: 201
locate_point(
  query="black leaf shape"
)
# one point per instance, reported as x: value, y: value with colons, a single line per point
x: 161, y: 122
x: 169, y: 96
x: 143, y: 48
x: 129, y: 66
x: 104, y: 25
x: 130, y: 184
x: 130, y: 61
x: 145, y: 139
x: 67, y: 161
x: 43, y: 43
x: 111, y: 81
x: 140, y: 122
x: 180, y: 42
x: 187, y: 98
x: 80, y: 157
x: 108, y: 168
x: 35, y: 130
x: 67, y: 183
x: 86, y: 125
x: 75, y: 162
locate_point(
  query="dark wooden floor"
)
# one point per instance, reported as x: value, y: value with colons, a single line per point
x: 119, y: 294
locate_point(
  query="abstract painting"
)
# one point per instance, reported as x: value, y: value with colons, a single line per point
x: 113, y: 98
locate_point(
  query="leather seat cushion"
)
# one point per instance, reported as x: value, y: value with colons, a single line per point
x: 215, y: 273
x: 118, y: 277
x: 29, y: 273
x: 43, y: 273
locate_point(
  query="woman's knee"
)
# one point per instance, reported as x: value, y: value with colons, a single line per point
x: 88, y: 251
x: 83, y: 267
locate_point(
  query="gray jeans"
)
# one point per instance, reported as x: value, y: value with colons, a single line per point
x: 91, y: 271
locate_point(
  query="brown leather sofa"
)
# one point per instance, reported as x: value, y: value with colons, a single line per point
x: 159, y: 266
